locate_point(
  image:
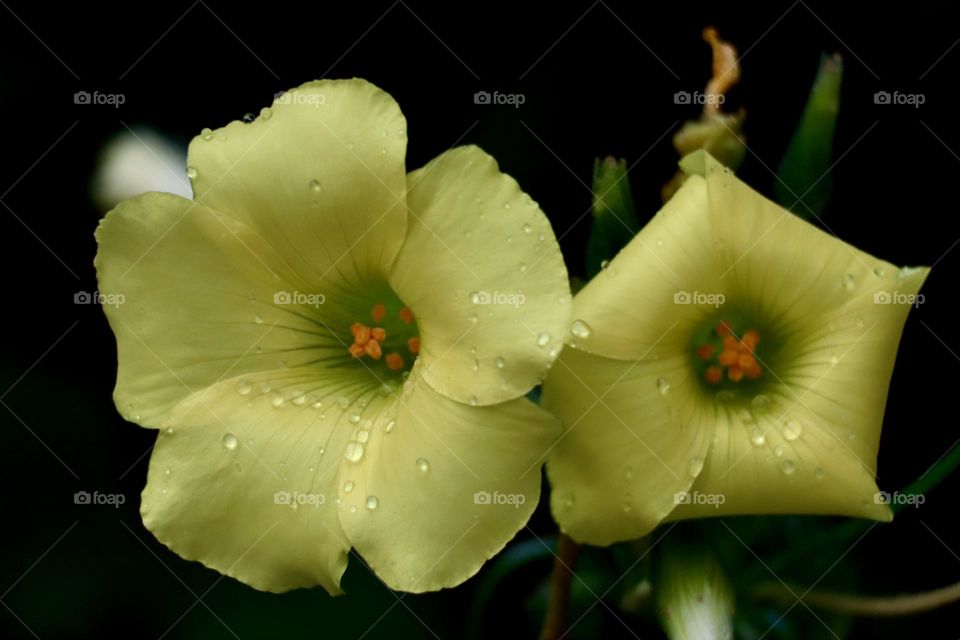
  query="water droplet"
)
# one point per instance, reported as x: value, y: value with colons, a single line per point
x: 526, y: 227
x: 354, y: 418
x: 354, y: 451
x: 207, y: 134
x: 383, y: 151
x: 353, y: 509
x: 363, y: 436
x: 475, y: 365
x: 746, y: 416
x: 849, y: 281
x: 523, y: 267
x: 499, y: 362
x: 191, y: 172
x: 879, y: 271
x: 423, y: 465
x: 244, y: 387
x: 604, y: 264
x: 248, y: 118
x: 343, y: 402
x: 778, y: 450
x: 298, y: 397
x: 472, y: 400
x: 266, y: 112
x: 169, y: 431
x: 906, y: 272
x: 229, y: 441
x: 258, y: 319
x: 348, y: 486
x: 166, y: 471
x: 663, y: 386
x: 761, y: 402
x: 792, y: 430
x: 757, y: 438
x: 276, y: 398
x: 788, y: 467
x: 506, y: 205
x: 580, y: 329
x: 372, y: 502
x: 390, y: 425
x: 696, y: 466
x: 543, y: 339
x: 473, y: 318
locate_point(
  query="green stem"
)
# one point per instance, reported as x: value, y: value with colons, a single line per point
x: 860, y: 605
x: 554, y: 624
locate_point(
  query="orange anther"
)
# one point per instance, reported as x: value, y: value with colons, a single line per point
x: 728, y: 358
x: 361, y: 333
x: 378, y: 333
x: 730, y: 343
x: 413, y: 344
x: 705, y: 351
x: 714, y: 375
x: 751, y: 337
x: 356, y: 350
x: 735, y: 374
x: 406, y: 315
x: 373, y: 349
x: 745, y: 361
x: 394, y: 361
x: 753, y: 371
x: 723, y: 329
x: 378, y: 313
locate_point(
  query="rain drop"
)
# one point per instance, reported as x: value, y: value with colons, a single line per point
x: 849, y: 281
x: 390, y: 425
x: 372, y: 502
x: 472, y: 400
x: 363, y: 436
x: 207, y: 134
x: 354, y: 451
x: 258, y: 319
x: 422, y: 465
x: 663, y: 386
x: 499, y: 362
x: 792, y: 430
x: 348, y: 486
x: 526, y: 227
x: 244, y: 387
x: 276, y: 399
x: 315, y: 186
x: 788, y: 467
x: 229, y: 441
x: 543, y: 339
x: 191, y: 172
x: 248, y: 118
x: 757, y: 438
x: 580, y: 329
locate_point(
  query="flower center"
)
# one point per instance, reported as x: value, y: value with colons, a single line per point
x: 726, y: 354
x: 390, y: 340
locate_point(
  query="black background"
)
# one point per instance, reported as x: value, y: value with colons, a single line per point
x: 598, y: 78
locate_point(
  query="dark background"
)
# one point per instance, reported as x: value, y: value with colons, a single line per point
x: 598, y: 78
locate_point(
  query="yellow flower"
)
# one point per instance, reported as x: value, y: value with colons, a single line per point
x: 335, y: 351
x: 732, y: 359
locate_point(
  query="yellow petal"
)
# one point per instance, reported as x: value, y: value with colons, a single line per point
x: 644, y: 299
x: 247, y: 486
x: 320, y: 174
x: 483, y: 274
x: 635, y: 435
x: 198, y: 291
x: 445, y: 488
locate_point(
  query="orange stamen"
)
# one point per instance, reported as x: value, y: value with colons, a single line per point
x: 728, y: 358
x: 406, y: 315
x: 723, y: 329
x: 413, y: 344
x: 714, y: 375
x: 745, y: 361
x: 378, y: 313
x: 356, y: 350
x: 361, y: 333
x: 735, y: 374
x: 378, y: 333
x: 373, y: 349
x: 394, y: 361
x: 705, y: 351
x: 753, y: 371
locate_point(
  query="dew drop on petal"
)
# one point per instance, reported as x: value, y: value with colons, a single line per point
x: 849, y: 281
x: 778, y: 450
x: 526, y: 227
x: 499, y: 362
x: 757, y: 438
x: 276, y: 398
x: 354, y: 451
x: 472, y: 400
x: 372, y: 502
x: 244, y: 387
x: 315, y: 186
x: 663, y: 386
x: 390, y: 425
x: 423, y: 465
x: 354, y: 418
x: 229, y: 441
x: 788, y: 467
x: 696, y: 466
x: 258, y: 319
x: 792, y: 430
x: 543, y: 339
x: 580, y: 329
x: 348, y: 486
x: 191, y: 172
x: 363, y: 436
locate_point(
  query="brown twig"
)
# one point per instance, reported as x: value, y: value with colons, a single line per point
x: 554, y: 624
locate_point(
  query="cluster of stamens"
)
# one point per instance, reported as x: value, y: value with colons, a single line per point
x: 369, y: 341
x: 735, y: 357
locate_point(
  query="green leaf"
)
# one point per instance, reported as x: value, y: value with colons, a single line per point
x: 804, y: 180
